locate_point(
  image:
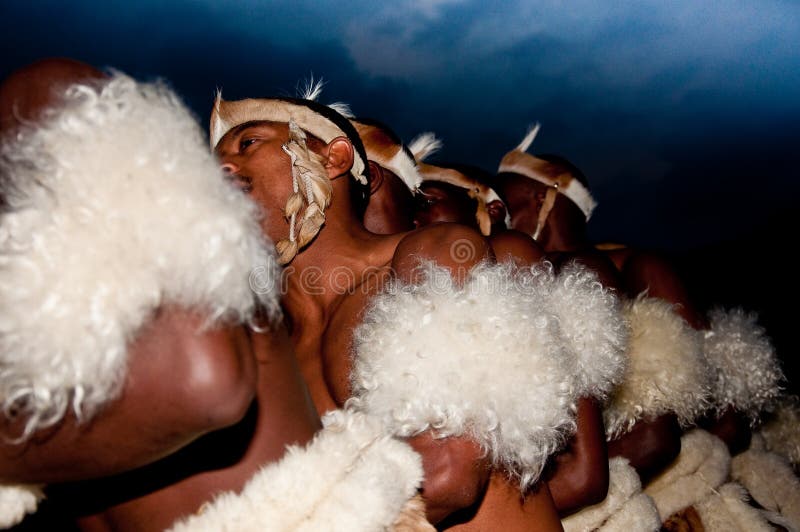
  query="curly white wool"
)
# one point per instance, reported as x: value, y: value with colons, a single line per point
x: 350, y: 477
x: 745, y: 370
x: 483, y: 359
x: 666, y: 373
x: 16, y: 501
x: 624, y: 508
x: 781, y: 432
x: 770, y: 481
x: 114, y: 206
x: 591, y: 321
x: 702, y: 465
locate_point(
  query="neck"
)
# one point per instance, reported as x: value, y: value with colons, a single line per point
x: 334, y: 262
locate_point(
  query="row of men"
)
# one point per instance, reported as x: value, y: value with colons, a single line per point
x: 157, y: 361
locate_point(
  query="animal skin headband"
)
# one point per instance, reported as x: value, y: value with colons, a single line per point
x: 389, y: 153
x: 315, y: 118
x: 517, y: 161
x: 476, y: 190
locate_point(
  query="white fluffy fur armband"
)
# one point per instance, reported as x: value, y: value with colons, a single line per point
x: 771, y: 481
x: 625, y: 508
x: 746, y: 372
x: 484, y: 359
x: 113, y: 207
x: 591, y: 322
x: 781, y: 431
x: 666, y: 373
x: 727, y: 509
x: 702, y: 465
x: 350, y: 478
x: 16, y: 502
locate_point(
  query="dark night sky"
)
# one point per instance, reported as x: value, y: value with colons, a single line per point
x: 683, y: 114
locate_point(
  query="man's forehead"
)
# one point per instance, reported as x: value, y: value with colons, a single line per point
x: 441, y: 187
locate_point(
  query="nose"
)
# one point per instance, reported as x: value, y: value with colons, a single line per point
x: 229, y: 168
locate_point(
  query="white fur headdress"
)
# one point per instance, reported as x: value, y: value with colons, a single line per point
x: 745, y: 369
x: 517, y: 161
x: 666, y: 373
x: 114, y: 206
x: 351, y: 477
x: 484, y: 360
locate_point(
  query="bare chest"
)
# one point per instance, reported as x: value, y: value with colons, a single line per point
x: 324, y: 348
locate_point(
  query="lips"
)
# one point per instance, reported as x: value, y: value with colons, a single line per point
x: 244, y: 183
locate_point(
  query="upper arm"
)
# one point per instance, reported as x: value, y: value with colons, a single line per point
x: 600, y: 265
x: 181, y: 383
x: 452, y: 246
x: 650, y: 446
x: 580, y: 474
x: 29, y: 90
x: 456, y: 470
x: 647, y: 272
x: 518, y: 247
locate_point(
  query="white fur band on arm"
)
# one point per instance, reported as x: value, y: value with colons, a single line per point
x: 591, y: 322
x: 746, y: 372
x: 113, y: 206
x: 625, y: 507
x: 16, y: 501
x: 702, y: 465
x: 666, y: 373
x: 350, y: 478
x: 781, y: 431
x: 484, y: 359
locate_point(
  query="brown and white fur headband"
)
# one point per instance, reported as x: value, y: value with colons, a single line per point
x: 517, y: 161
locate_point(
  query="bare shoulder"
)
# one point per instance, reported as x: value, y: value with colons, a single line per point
x: 650, y: 272
x: 618, y: 253
x: 596, y: 261
x: 450, y: 245
x: 27, y: 91
x: 646, y: 263
x: 516, y: 246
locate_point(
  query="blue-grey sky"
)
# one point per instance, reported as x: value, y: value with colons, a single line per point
x: 683, y: 114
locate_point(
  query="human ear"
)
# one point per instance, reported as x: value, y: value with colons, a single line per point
x: 496, y: 210
x: 338, y: 157
x: 375, y: 177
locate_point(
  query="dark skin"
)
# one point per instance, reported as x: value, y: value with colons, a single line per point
x: 578, y: 476
x: 323, y: 308
x: 30, y: 90
x: 153, y: 497
x: 565, y: 239
x: 390, y: 203
x: 231, y: 401
x: 443, y: 202
x: 650, y: 446
x: 214, y: 373
x: 572, y: 484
